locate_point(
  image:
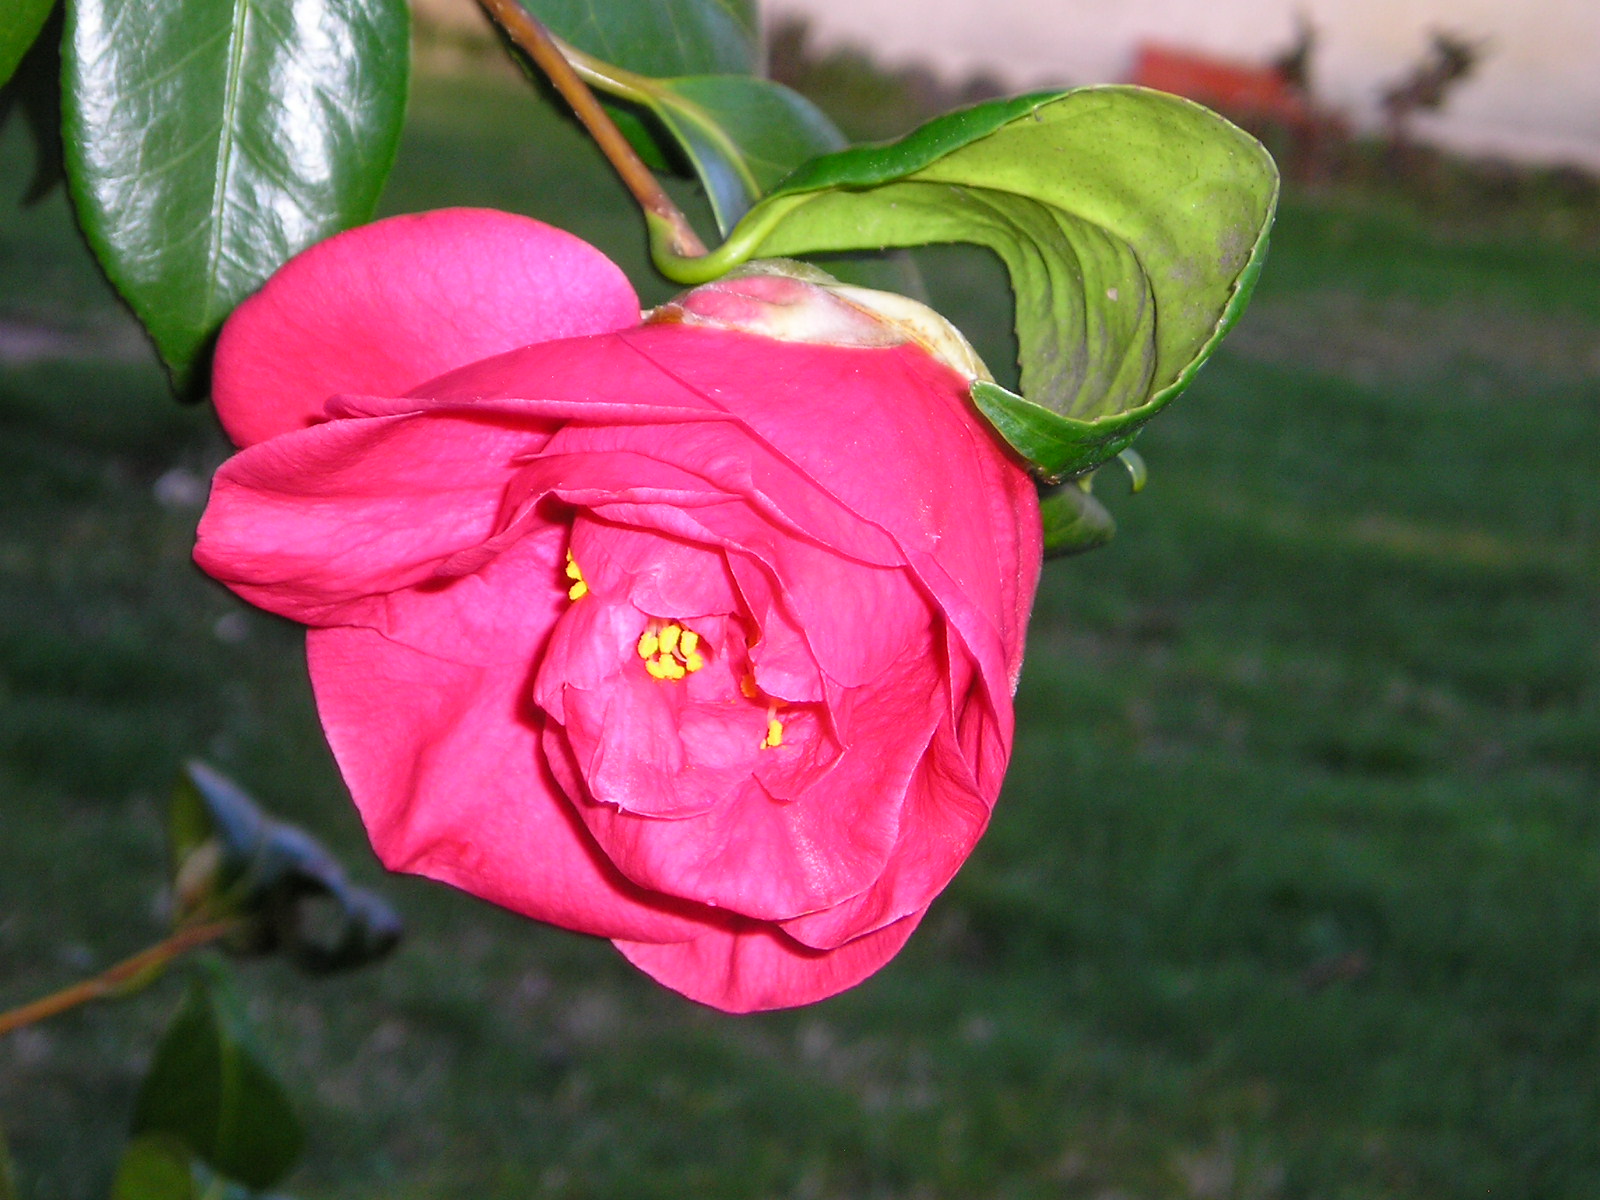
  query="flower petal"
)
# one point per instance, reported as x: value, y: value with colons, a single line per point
x: 315, y: 520
x: 443, y: 763
x: 383, y: 307
x: 943, y: 816
x: 747, y: 967
x: 772, y: 859
x: 830, y: 411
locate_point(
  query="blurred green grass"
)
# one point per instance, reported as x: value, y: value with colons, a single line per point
x: 1293, y: 891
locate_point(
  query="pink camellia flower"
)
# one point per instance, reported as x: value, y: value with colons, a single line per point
x: 699, y: 639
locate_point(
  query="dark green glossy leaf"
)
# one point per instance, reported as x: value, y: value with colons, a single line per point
x: 209, y: 1088
x: 231, y: 859
x: 155, y: 1168
x: 20, y: 23
x: 210, y: 140
x: 662, y: 37
x: 1074, y: 521
x: 1132, y: 223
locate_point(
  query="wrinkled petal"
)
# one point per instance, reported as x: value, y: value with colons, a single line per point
x: 310, y: 521
x: 386, y: 306
x: 773, y: 859
x: 943, y: 816
x: 906, y: 445
x: 444, y: 767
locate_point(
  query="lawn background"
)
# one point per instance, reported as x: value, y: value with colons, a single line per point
x: 1293, y: 890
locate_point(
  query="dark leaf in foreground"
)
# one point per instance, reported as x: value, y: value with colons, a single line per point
x: 210, y: 1090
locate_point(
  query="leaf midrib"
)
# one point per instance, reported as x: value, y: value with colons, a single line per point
x: 227, y: 137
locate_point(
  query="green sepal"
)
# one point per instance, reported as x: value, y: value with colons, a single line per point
x: 210, y: 1090
x: 1074, y: 521
x: 1132, y: 223
x: 229, y: 859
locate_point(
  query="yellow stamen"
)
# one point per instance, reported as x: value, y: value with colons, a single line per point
x: 579, y: 588
x: 774, y: 734
x: 670, y: 651
x: 747, y: 685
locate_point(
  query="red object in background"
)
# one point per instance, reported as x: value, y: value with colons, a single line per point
x: 1241, y: 89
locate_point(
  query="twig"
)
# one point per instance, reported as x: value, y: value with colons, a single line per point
x: 531, y: 37
x: 109, y: 980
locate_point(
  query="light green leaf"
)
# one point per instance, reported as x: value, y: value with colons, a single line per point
x: 660, y: 37
x: 210, y: 140
x: 209, y: 1089
x: 1132, y: 223
x: 20, y: 23
x: 1074, y: 521
x: 154, y: 1168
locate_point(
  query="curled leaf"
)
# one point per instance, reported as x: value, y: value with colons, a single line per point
x: 1132, y: 224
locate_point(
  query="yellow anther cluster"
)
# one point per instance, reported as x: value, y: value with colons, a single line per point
x: 670, y: 651
x: 579, y: 588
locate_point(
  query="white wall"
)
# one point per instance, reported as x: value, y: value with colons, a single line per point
x: 1536, y: 95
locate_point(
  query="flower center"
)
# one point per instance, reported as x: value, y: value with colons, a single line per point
x: 670, y: 651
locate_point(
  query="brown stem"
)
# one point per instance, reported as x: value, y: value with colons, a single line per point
x: 109, y: 980
x: 534, y: 40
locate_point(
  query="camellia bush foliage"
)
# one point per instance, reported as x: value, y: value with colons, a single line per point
x: 695, y: 629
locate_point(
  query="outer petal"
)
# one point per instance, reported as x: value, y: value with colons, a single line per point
x: 384, y: 307
x: 748, y: 967
x: 942, y: 818
x: 317, y: 519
